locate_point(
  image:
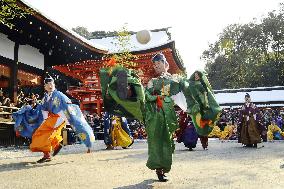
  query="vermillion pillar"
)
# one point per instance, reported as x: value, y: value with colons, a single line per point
x: 98, y: 107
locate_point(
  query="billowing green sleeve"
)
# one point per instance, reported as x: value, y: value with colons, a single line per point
x: 202, y: 105
x: 115, y: 80
x: 175, y: 87
x: 193, y: 106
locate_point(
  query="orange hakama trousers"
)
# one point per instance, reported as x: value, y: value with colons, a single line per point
x: 47, y: 137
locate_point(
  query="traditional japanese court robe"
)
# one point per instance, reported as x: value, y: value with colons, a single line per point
x: 249, y: 125
x: 186, y: 132
x: 59, y: 110
x: 27, y: 120
x: 161, y: 122
x: 116, y: 131
x: 157, y: 110
x: 274, y: 133
x: 202, y: 105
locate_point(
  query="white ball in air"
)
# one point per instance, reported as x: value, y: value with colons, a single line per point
x: 143, y: 36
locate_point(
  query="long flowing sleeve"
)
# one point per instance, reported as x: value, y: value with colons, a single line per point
x: 202, y: 105
x: 193, y: 107
x: 132, y: 103
x: 75, y: 118
x: 27, y: 120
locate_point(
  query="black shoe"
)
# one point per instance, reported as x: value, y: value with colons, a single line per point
x: 205, y: 146
x: 44, y: 159
x: 190, y: 149
x: 255, y: 145
x: 56, y: 150
x: 161, y: 177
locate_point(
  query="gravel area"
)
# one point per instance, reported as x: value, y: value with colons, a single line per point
x: 225, y: 165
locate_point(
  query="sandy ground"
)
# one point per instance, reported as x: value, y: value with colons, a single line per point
x: 225, y: 165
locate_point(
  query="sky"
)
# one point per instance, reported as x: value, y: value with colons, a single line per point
x: 194, y: 24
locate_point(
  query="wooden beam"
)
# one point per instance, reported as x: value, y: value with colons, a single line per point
x: 13, y: 86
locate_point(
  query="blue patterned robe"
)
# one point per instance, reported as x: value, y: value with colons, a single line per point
x: 55, y: 104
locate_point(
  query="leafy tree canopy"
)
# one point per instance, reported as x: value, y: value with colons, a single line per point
x: 248, y: 55
x: 9, y: 9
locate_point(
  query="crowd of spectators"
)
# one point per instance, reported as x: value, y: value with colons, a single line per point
x: 225, y: 128
x: 7, y: 106
x: 229, y: 119
x: 4, y: 99
x: 22, y: 99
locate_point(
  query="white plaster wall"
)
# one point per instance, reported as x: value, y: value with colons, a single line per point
x: 256, y: 96
x: 6, y: 47
x: 31, y: 56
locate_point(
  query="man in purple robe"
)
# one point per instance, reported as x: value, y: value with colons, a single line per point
x: 250, y: 126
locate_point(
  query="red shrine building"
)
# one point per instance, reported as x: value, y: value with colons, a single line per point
x: 89, y: 93
x: 37, y: 43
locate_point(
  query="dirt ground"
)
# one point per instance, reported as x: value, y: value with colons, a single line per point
x: 225, y: 165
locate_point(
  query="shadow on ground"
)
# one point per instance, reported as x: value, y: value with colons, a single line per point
x: 26, y: 165
x: 129, y: 156
x: 145, y: 184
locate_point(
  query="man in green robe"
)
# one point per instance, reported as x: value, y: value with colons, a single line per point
x: 155, y: 106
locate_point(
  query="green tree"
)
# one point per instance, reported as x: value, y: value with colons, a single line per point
x: 123, y: 56
x: 248, y: 55
x: 82, y: 31
x: 10, y: 10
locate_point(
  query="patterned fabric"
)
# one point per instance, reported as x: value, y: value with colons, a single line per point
x: 249, y: 125
x: 274, y: 133
x: 132, y: 106
x: 157, y: 109
x: 216, y: 132
x: 228, y: 132
x: 79, y: 124
x: 186, y: 132
x: 59, y: 102
x: 161, y: 122
x: 47, y: 137
x: 202, y: 105
x: 116, y: 131
x: 27, y: 120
